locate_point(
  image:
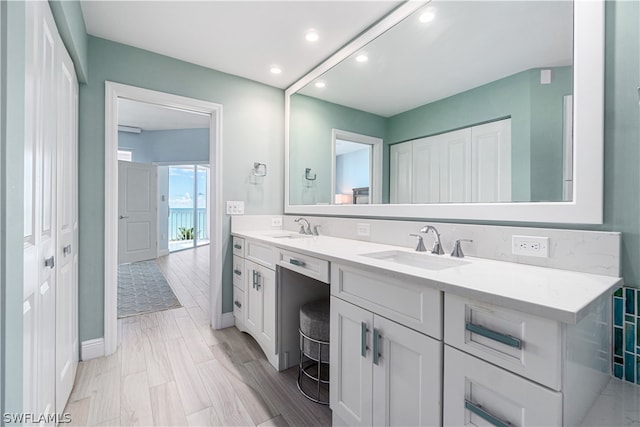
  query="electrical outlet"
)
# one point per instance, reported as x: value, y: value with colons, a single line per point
x: 276, y: 221
x: 235, y: 207
x: 363, y: 229
x: 530, y: 246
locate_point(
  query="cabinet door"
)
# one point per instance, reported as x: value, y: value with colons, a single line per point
x: 406, y: 376
x: 426, y: 171
x: 260, y: 299
x: 400, y: 172
x: 351, y: 377
x: 491, y: 153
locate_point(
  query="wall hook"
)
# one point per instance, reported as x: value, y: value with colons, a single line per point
x: 307, y: 175
x: 257, y: 171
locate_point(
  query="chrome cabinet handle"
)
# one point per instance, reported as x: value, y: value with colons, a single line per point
x: 254, y: 278
x: 297, y: 262
x: 479, y: 411
x: 66, y: 250
x: 50, y: 262
x: 237, y: 303
x: 237, y: 246
x: 237, y: 272
x: 363, y: 339
x: 493, y: 335
x: 376, y: 346
x: 258, y: 275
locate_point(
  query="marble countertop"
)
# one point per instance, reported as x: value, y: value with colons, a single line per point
x: 555, y: 294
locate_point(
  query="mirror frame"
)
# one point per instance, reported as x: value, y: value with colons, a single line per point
x: 588, y: 118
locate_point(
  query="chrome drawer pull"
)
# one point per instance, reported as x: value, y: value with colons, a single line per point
x: 363, y: 339
x: 50, y: 262
x: 237, y: 272
x: 237, y: 246
x: 477, y: 409
x: 376, y: 346
x: 297, y: 262
x: 496, y: 336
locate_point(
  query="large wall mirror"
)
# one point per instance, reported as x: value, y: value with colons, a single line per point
x: 488, y: 110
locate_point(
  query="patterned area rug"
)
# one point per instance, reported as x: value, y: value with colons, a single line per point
x: 142, y: 288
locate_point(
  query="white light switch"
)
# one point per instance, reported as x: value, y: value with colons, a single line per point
x: 235, y: 207
x: 276, y: 221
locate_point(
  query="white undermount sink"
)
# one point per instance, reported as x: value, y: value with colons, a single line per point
x: 418, y: 259
x: 285, y: 235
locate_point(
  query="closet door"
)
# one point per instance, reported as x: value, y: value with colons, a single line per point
x: 40, y: 211
x: 455, y: 166
x: 491, y: 153
x: 426, y: 171
x: 67, y: 286
x: 400, y: 173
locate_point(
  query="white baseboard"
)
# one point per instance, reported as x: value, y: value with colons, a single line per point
x: 163, y: 252
x: 228, y: 320
x: 92, y: 349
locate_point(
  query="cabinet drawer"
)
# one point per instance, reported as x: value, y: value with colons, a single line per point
x: 315, y: 268
x: 238, y: 303
x: 522, y: 343
x: 478, y: 393
x: 238, y: 272
x: 238, y: 246
x: 404, y: 300
x: 261, y: 253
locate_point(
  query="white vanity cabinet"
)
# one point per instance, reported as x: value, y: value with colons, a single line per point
x: 506, y: 367
x: 382, y: 371
x: 254, y: 292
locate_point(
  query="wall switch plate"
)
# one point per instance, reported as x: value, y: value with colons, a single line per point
x: 235, y: 207
x: 530, y: 246
x: 363, y: 229
x: 276, y: 221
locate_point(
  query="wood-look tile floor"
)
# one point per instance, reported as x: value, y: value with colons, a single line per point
x: 172, y: 369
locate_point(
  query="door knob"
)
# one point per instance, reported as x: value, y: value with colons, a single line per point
x: 123, y: 217
x: 50, y: 262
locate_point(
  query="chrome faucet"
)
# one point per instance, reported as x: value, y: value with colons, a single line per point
x: 457, y: 249
x: 420, y: 247
x: 306, y: 231
x: 437, y: 244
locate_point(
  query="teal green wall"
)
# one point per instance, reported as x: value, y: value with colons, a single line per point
x: 622, y: 132
x: 71, y: 26
x: 519, y: 96
x: 12, y: 79
x: 253, y: 130
x: 310, y: 141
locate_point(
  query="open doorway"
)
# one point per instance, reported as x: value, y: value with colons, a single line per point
x: 162, y: 206
x: 123, y: 141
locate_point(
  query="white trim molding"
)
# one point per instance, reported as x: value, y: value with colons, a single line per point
x: 92, y: 349
x: 113, y: 91
x: 588, y: 118
x: 228, y: 320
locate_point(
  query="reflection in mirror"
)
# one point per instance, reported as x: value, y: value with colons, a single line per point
x: 472, y: 100
x: 357, y: 168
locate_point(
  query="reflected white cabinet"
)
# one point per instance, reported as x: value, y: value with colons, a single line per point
x: 471, y: 164
x: 382, y: 373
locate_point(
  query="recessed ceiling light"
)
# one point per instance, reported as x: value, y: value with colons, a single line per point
x: 311, y: 35
x: 362, y: 58
x: 320, y: 85
x: 428, y: 15
x: 275, y: 69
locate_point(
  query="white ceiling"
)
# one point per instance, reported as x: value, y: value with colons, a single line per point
x: 244, y: 38
x: 468, y: 44
x: 155, y: 117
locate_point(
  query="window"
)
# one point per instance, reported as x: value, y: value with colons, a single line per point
x: 125, y: 155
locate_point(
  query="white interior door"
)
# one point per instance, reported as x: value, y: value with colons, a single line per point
x: 400, y: 172
x: 67, y: 231
x: 491, y: 158
x: 137, y: 207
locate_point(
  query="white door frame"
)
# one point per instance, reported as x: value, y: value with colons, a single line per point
x: 113, y: 91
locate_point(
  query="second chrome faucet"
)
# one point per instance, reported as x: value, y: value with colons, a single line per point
x: 437, y: 244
